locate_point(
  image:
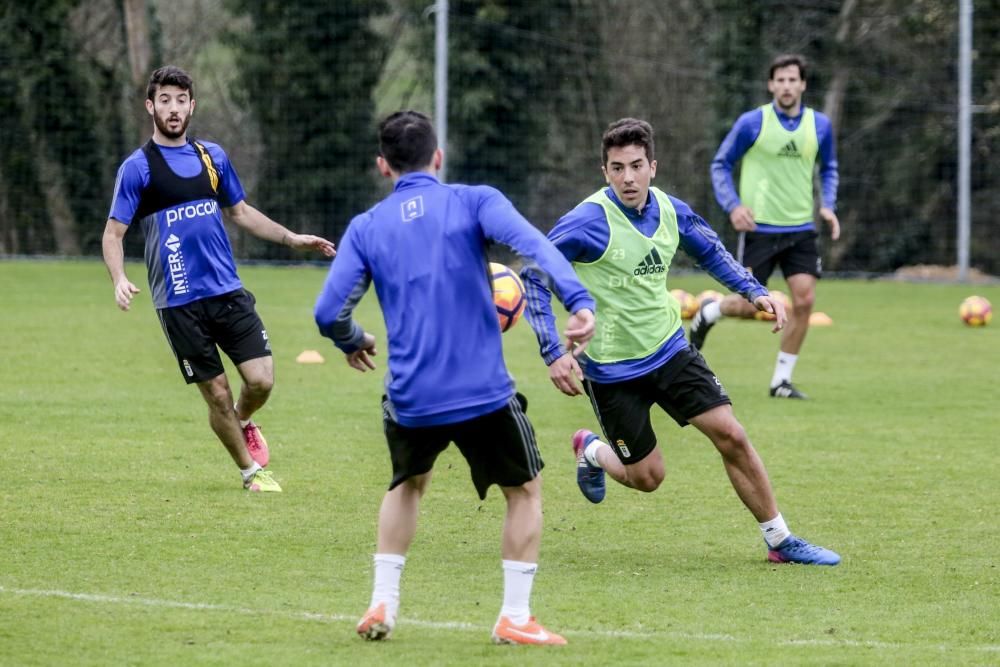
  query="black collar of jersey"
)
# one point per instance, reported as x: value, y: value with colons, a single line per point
x: 167, y: 189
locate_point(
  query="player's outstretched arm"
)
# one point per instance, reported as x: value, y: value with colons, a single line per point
x: 309, y: 242
x: 249, y: 218
x: 114, y: 259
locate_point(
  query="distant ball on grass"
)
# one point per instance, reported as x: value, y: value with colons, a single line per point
x: 508, y: 295
x: 976, y: 311
x: 689, y: 305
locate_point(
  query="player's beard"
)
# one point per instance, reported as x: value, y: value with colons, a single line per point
x: 791, y: 104
x: 164, y: 128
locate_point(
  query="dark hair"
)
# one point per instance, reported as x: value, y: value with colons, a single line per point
x: 406, y: 140
x: 786, y: 59
x: 168, y: 75
x: 627, y: 132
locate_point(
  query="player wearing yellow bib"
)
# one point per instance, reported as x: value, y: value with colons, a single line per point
x: 621, y: 241
x: 778, y: 146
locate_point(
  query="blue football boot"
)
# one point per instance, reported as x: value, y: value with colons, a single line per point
x: 589, y: 478
x: 796, y: 550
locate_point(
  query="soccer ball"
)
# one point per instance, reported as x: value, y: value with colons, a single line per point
x: 778, y: 296
x: 709, y: 294
x: 976, y: 311
x: 689, y: 305
x: 508, y: 295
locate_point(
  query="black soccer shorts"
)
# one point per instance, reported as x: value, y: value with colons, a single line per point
x: 197, y: 330
x: 499, y: 447
x: 684, y: 387
x: 794, y: 252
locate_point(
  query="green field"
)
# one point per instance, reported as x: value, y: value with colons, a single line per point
x: 127, y: 539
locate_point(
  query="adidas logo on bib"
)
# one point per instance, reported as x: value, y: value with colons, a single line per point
x: 789, y: 150
x: 650, y: 264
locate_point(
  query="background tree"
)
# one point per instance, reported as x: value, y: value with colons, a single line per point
x: 307, y: 70
x: 51, y: 162
x: 515, y: 70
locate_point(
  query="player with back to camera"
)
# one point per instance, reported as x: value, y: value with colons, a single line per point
x: 779, y: 145
x: 621, y: 241
x: 424, y: 247
x: 174, y: 187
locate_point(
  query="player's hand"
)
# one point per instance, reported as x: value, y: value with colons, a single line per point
x: 742, y: 219
x: 769, y: 304
x: 566, y: 375
x: 308, y: 241
x: 124, y: 291
x: 360, y: 359
x: 579, y: 330
x: 831, y: 219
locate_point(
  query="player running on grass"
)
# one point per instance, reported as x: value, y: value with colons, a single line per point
x: 621, y: 241
x: 174, y: 188
x: 424, y: 247
x: 779, y: 145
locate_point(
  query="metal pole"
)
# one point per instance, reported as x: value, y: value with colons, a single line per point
x: 964, y: 134
x: 441, y: 79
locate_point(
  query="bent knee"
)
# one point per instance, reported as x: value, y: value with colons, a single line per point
x: 217, y: 393
x: 416, y: 485
x: 734, y: 434
x: 648, y: 480
x: 732, y: 440
x: 261, y: 385
x: 805, y: 301
x: 530, y: 491
x: 647, y: 484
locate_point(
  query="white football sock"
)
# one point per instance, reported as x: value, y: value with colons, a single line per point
x: 388, y: 570
x: 783, y: 368
x: 518, y: 578
x: 590, y: 451
x: 712, y: 312
x: 249, y: 472
x: 775, y: 531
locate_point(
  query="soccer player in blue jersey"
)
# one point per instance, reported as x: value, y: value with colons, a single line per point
x: 424, y: 248
x: 176, y: 188
x: 779, y: 145
x: 621, y: 241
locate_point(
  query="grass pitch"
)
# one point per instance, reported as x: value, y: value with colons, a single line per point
x: 127, y: 539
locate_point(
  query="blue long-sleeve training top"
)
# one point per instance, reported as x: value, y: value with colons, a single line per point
x: 424, y: 247
x: 742, y: 136
x: 582, y: 235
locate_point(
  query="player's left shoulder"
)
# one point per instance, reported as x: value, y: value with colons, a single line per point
x: 681, y: 207
x: 215, y: 151
x: 477, y: 191
x: 584, y: 216
x: 479, y: 198
x: 362, y: 221
x: 208, y: 145
x: 818, y: 115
